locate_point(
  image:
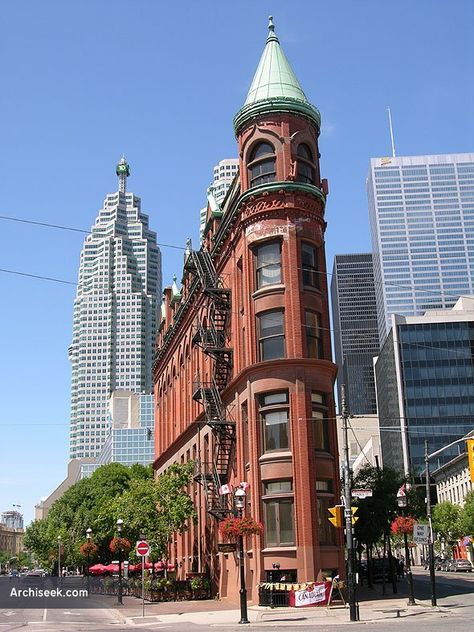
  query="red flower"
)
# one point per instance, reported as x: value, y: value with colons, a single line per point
x: 88, y: 549
x: 402, y: 524
x: 233, y: 528
x: 122, y: 544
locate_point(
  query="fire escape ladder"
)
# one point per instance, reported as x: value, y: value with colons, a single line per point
x: 212, y: 340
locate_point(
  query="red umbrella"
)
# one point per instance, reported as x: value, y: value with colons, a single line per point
x: 97, y: 569
x: 112, y: 568
x: 159, y: 566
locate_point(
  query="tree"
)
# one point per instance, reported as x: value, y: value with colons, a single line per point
x: 447, y: 521
x: 376, y: 512
x: 153, y: 509
x: 467, y: 515
x: 77, y: 510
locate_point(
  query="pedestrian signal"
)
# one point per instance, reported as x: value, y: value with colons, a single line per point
x: 470, y: 457
x: 336, y: 515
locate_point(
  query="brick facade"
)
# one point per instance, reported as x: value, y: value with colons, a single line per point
x: 283, y: 408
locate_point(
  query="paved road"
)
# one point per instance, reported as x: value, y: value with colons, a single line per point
x: 455, y: 596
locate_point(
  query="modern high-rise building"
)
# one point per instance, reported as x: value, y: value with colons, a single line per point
x: 356, y: 337
x: 224, y: 174
x: 421, y: 211
x: 425, y: 385
x: 132, y: 423
x: 115, y: 314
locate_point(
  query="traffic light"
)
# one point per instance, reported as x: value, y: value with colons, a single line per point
x: 354, y: 517
x: 470, y: 457
x: 336, y: 515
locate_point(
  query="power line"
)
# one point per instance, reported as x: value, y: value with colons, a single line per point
x: 68, y: 228
x: 37, y: 276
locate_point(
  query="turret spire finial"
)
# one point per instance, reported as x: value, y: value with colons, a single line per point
x: 271, y: 29
x: 123, y: 171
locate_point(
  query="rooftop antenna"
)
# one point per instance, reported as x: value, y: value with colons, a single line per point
x: 123, y: 171
x: 391, y: 131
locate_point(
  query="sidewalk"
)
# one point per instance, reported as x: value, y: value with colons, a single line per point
x: 373, y: 606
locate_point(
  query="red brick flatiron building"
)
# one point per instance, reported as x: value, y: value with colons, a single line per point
x: 243, y: 372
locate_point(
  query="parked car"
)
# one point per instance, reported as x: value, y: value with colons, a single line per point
x: 14, y: 573
x: 445, y: 565
x: 460, y: 565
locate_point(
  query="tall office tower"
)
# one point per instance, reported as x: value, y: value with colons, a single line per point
x: 132, y: 423
x: 425, y: 386
x: 356, y: 338
x: 224, y: 173
x: 114, y: 315
x: 421, y: 211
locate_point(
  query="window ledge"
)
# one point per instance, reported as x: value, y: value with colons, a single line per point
x: 279, y: 549
x: 278, y: 288
x: 275, y: 456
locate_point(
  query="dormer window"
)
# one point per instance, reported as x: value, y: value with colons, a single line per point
x: 305, y: 166
x: 262, y: 164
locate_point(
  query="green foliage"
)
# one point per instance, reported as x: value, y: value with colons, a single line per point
x: 447, y: 521
x: 467, y: 515
x: 376, y: 513
x: 155, y: 509
x: 77, y: 510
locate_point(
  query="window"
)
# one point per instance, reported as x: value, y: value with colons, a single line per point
x: 309, y: 261
x: 314, y: 346
x: 262, y: 164
x: 305, y: 167
x: 319, y: 414
x: 271, y: 335
x: 274, y: 418
x: 278, y: 509
x: 268, y: 264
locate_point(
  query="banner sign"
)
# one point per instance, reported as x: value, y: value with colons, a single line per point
x: 316, y: 594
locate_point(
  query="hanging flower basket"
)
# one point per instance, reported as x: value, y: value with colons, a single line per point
x: 402, y: 524
x: 120, y: 544
x: 233, y: 528
x: 88, y: 549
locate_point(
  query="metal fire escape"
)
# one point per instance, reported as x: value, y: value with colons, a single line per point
x: 212, y: 340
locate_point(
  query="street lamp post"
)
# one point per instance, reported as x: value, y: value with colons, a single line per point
x: 239, y: 500
x: 430, y: 525
x: 88, y: 536
x: 119, y: 531
x: 59, y: 556
x: 402, y: 503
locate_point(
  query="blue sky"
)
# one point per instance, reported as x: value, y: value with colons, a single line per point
x: 83, y: 82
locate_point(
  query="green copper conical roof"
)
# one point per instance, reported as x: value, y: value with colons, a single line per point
x: 275, y: 86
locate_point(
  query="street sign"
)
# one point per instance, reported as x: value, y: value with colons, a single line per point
x: 227, y: 547
x: 361, y: 493
x: 143, y: 548
x: 420, y: 533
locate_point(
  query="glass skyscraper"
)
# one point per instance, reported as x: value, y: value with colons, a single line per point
x: 130, y: 439
x: 421, y: 211
x: 356, y: 338
x: 115, y: 315
x: 425, y: 385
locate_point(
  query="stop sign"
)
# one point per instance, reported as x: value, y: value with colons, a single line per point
x: 143, y: 548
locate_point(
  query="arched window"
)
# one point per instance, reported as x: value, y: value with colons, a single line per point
x: 305, y: 167
x: 262, y: 164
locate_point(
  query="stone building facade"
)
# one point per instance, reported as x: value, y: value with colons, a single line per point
x: 243, y: 372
